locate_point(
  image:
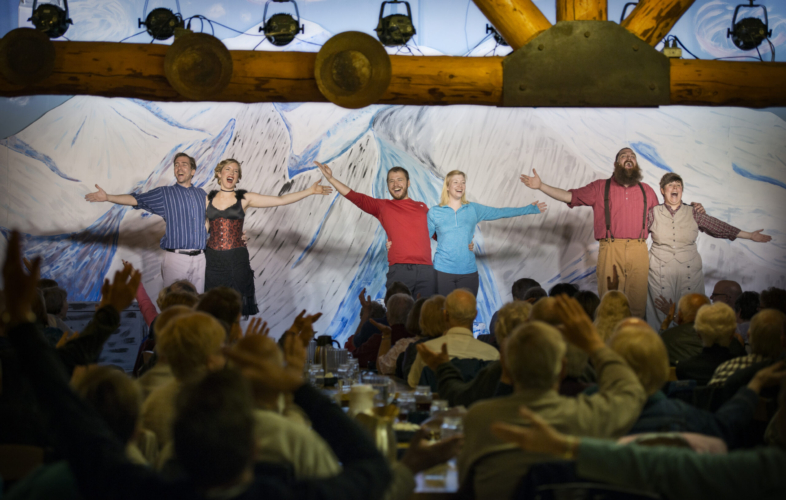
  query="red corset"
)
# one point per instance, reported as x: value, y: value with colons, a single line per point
x: 225, y: 234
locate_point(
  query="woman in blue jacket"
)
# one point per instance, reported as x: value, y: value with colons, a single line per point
x: 454, y: 221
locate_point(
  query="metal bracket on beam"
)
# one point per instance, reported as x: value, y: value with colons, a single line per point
x: 588, y: 64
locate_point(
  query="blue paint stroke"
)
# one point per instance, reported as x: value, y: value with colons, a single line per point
x: 651, y: 154
x: 164, y: 116
x: 750, y: 175
x: 77, y: 132
x: 18, y: 145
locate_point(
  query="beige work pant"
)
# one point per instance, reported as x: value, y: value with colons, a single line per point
x: 633, y: 265
x: 672, y: 280
x: 175, y: 266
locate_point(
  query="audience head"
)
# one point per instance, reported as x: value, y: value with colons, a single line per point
x: 39, y: 309
x: 568, y: 289
x: 266, y: 349
x: 163, y: 319
x: 432, y: 317
x: 645, y: 353
x: 56, y: 300
x: 726, y: 291
x: 746, y: 306
x: 224, y: 304
x: 545, y: 310
x: 460, y: 309
x: 613, y: 308
x: 213, y: 429
x: 589, y: 301
x: 765, y: 332
x: 774, y: 298
x: 413, y: 319
x: 177, y: 286
x: 399, y: 306
x: 534, y: 294
x: 535, y: 356
x: 520, y: 287
x: 170, y: 299
x: 509, y: 317
x: 192, y: 344
x: 715, y: 324
x: 377, y: 310
x: 46, y: 283
x: 689, y: 305
x: 396, y: 287
x: 114, y: 396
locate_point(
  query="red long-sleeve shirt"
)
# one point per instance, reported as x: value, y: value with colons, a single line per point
x: 406, y: 224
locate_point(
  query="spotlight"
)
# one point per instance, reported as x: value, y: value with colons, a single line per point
x: 281, y: 28
x: 161, y: 23
x: 51, y: 19
x: 497, y: 37
x: 395, y: 29
x: 749, y: 32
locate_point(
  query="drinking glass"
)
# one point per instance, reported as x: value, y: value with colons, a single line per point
x: 406, y: 405
x: 438, y: 406
x: 381, y: 384
x: 423, y: 397
x: 452, y: 426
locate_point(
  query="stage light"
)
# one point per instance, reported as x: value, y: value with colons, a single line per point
x: 161, y: 22
x: 281, y: 28
x: 749, y: 32
x: 50, y: 18
x: 395, y: 29
x: 497, y: 37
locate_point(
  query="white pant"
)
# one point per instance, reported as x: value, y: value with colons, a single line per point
x: 177, y: 266
x: 672, y: 280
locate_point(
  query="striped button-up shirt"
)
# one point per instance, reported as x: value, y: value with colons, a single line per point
x: 183, y: 210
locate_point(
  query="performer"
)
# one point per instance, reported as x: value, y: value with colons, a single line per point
x: 675, y: 263
x: 454, y: 221
x: 404, y: 221
x: 183, y: 208
x: 227, y: 256
x: 620, y: 207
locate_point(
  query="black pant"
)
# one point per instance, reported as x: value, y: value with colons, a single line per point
x: 447, y: 282
x: 419, y: 278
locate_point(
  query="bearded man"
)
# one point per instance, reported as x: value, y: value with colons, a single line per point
x: 620, y: 205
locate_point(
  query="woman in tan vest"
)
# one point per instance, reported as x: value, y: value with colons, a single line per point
x: 675, y: 263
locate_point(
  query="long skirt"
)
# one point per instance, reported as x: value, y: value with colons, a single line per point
x: 232, y: 268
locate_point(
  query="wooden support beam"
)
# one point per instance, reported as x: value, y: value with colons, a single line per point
x: 652, y: 20
x: 582, y: 10
x: 698, y: 82
x: 518, y: 21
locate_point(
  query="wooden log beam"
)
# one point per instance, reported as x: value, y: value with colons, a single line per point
x: 582, y: 10
x: 652, y: 20
x: 518, y: 21
x: 697, y: 82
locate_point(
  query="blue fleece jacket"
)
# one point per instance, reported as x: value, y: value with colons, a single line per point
x: 455, y: 230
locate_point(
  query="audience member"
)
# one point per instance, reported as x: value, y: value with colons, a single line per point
x: 458, y: 341
x: 225, y: 304
x: 366, y: 329
x: 726, y: 291
x: 534, y: 294
x: 518, y: 291
x: 56, y: 301
x: 568, y: 289
x: 589, y: 301
x: 715, y: 325
x: 613, y: 308
x: 432, y: 325
x: 388, y: 355
x: 535, y: 358
x: 398, y: 307
x: 160, y: 373
x: 682, y: 342
x: 774, y: 298
x: 745, y: 307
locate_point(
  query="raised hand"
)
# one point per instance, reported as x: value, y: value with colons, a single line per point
x: 579, y: 329
x: 385, y: 330
x: 19, y: 304
x: 257, y: 327
x: 760, y: 238
x: 295, y: 351
x: 698, y: 207
x: 663, y: 305
x: 303, y: 326
x: 326, y: 171
x: 65, y: 338
x: 613, y: 282
x: 541, y: 205
x: 365, y: 306
x: 539, y: 437
x: 431, y: 358
x: 533, y: 181
x: 122, y: 291
x: 99, y: 195
x: 318, y: 188
x: 264, y: 372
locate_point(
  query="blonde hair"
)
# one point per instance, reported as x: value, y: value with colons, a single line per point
x: 715, y: 324
x: 432, y: 320
x: 510, y: 316
x: 444, y: 198
x: 645, y: 353
x: 188, y: 341
x: 224, y: 163
x: 613, y: 308
x: 764, y: 333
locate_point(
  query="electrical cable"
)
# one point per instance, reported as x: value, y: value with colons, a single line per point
x: 684, y: 47
x: 478, y: 44
x: 466, y: 18
x: 132, y: 36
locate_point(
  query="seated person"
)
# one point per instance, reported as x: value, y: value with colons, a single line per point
x: 225, y: 304
x: 389, y: 351
x: 715, y: 324
x: 517, y: 291
x: 365, y: 329
x: 460, y: 313
x: 535, y: 359
x: 745, y: 307
x: 432, y: 325
x: 681, y: 341
x: 613, y: 308
x: 398, y: 307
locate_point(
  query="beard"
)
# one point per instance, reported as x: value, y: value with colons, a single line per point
x: 625, y: 176
x: 401, y: 196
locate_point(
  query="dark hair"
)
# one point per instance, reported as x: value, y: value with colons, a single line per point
x: 589, y: 301
x: 398, y: 169
x: 190, y: 160
x: 521, y: 286
x: 39, y: 309
x: 535, y: 293
x: 568, y: 289
x: 669, y: 178
x: 54, y: 299
x: 774, y: 298
x: 377, y: 310
x: 46, y: 283
x: 413, y: 320
x: 213, y: 429
x: 396, y: 287
x: 616, y: 158
x: 114, y: 396
x: 223, y: 303
x: 747, y: 305
x: 181, y: 286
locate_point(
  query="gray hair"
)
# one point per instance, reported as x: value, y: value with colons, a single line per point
x: 534, y: 354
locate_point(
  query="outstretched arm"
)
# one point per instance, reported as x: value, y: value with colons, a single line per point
x: 534, y: 182
x: 328, y: 173
x: 755, y: 236
x: 255, y: 200
x: 118, y: 199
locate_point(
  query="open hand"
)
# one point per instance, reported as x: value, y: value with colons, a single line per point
x: 760, y: 238
x: 421, y: 455
x: 257, y: 327
x: 365, y: 306
x: 19, y: 304
x: 579, y: 329
x: 769, y: 376
x: 385, y: 330
x: 99, y: 195
x: 613, y: 282
x: 122, y: 291
x: 318, y: 188
x: 431, y: 358
x: 264, y: 372
x: 539, y: 437
x: 663, y: 305
x: 303, y: 326
x: 326, y: 171
x: 533, y: 181
x: 541, y: 205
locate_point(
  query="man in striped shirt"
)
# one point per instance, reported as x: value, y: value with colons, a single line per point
x: 183, y: 208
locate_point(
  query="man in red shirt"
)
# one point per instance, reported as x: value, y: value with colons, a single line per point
x: 404, y: 221
x: 620, y: 206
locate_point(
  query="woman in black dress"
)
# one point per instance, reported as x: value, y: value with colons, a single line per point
x: 226, y: 256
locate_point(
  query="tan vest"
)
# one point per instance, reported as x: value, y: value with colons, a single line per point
x: 674, y: 237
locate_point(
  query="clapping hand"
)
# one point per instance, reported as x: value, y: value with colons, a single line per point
x: 613, y: 282
x: 318, y: 188
x: 365, y: 306
x: 98, y: 196
x: 579, y: 329
x: 303, y: 326
x: 122, y: 291
x: 326, y: 171
x: 66, y: 338
x: 533, y: 181
x: 663, y: 305
x: 257, y: 327
x: 431, y: 358
x: 385, y: 330
x: 19, y: 304
x: 264, y: 372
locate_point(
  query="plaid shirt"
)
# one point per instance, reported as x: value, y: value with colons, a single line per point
x: 727, y: 369
x: 707, y: 224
